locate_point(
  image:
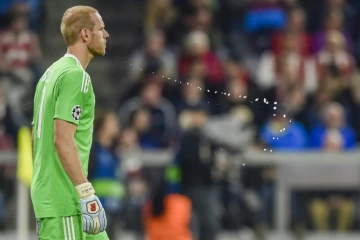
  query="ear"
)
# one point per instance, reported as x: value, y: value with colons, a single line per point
x: 85, y: 35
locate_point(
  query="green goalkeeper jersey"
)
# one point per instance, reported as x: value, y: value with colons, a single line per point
x: 64, y: 92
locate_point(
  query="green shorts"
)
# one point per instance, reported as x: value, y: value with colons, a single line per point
x: 64, y: 228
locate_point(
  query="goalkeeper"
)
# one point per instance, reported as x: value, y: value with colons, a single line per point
x: 65, y: 203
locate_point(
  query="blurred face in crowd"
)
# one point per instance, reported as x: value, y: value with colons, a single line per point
x: 323, y: 97
x: 335, y: 41
x: 141, y: 121
x: 202, y: 19
x: 151, y: 94
x: 233, y: 69
x: 20, y: 23
x: 334, y: 141
x: 335, y: 3
x: 137, y: 188
x: 162, y: 4
x: 193, y: 92
x: 297, y: 19
x: 128, y: 138
x: 197, y: 43
x: 110, y: 128
x: 278, y: 122
x: 197, y: 69
x: 334, y: 116
x: 334, y: 20
x: 198, y: 49
x: 295, y: 99
x: 236, y: 88
x: 199, y: 3
x: 289, y: 69
x: 20, y: 17
x: 290, y: 3
x: 155, y: 43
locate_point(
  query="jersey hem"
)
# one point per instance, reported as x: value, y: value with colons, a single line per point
x: 57, y: 215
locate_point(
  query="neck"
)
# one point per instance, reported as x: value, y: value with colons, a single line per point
x: 81, y: 53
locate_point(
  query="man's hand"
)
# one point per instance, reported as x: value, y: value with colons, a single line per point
x: 93, y: 213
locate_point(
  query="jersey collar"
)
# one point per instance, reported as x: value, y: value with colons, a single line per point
x: 75, y: 58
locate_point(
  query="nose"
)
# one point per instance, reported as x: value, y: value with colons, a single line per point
x: 106, y: 34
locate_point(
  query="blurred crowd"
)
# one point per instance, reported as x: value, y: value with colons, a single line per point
x: 275, y: 75
x: 211, y: 80
x: 20, y: 54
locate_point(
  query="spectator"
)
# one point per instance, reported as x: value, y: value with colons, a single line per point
x: 317, y: 102
x: 240, y: 88
x: 192, y: 95
x: 167, y: 215
x: 334, y: 60
x: 236, y: 93
x: 289, y: 5
x: 196, y: 156
x: 153, y: 58
x: 137, y: 191
x: 283, y: 133
x: 9, y: 126
x: 19, y: 52
x: 239, y: 97
x: 35, y: 8
x: 236, y: 70
x: 346, y: 8
x: 336, y: 137
x: 104, y: 168
x: 202, y: 19
x: 130, y: 154
x: 296, y: 104
x: 290, y: 64
x: 129, y: 151
x: 334, y: 125
x: 141, y: 122
x: 333, y: 21
x: 296, y: 25
x: 10, y: 122
x: 280, y: 93
x: 162, y: 116
x: 197, y: 50
x: 160, y: 14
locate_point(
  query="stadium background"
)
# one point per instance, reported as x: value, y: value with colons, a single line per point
x: 257, y: 101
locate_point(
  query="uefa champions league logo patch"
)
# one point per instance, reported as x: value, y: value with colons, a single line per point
x: 76, y: 112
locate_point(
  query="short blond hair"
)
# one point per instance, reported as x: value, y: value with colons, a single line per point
x: 75, y: 19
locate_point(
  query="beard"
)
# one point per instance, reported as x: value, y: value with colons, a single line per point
x: 96, y: 50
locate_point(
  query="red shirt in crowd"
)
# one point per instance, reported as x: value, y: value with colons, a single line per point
x: 214, y: 70
x: 16, y: 50
x: 277, y: 43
